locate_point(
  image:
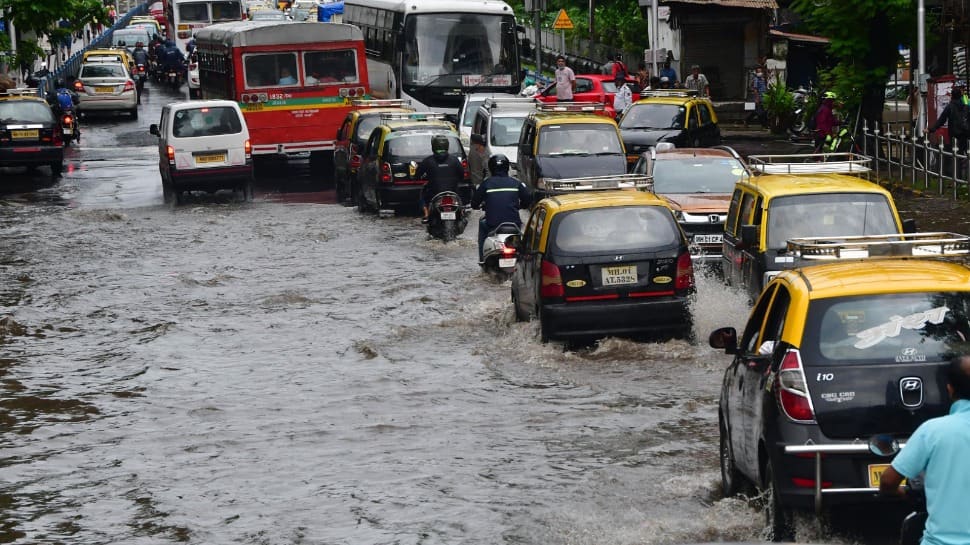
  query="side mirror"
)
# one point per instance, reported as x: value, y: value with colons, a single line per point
x: 749, y: 236
x: 883, y: 445
x: 725, y: 338
x: 909, y: 225
x: 153, y: 129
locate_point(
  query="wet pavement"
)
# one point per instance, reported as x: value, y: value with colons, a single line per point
x: 292, y: 371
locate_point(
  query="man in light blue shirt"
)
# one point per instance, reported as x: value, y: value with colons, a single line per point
x: 940, y: 448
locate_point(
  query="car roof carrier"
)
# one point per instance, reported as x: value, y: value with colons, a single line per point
x: 600, y: 183
x: 20, y: 91
x: 932, y: 244
x: 571, y: 107
x: 810, y: 163
x: 496, y: 102
x: 413, y: 116
x: 381, y: 103
x: 668, y: 93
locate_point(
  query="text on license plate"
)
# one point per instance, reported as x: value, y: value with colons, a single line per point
x: 214, y: 158
x: 616, y: 276
x: 104, y: 89
x: 449, y: 215
x: 875, y: 474
x: 23, y: 134
x: 707, y: 239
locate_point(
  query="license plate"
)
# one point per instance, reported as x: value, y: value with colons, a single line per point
x: 617, y: 276
x: 25, y: 134
x: 215, y: 158
x: 875, y: 474
x: 68, y: 131
x: 449, y: 215
x: 104, y: 90
x: 707, y: 239
x: 506, y: 262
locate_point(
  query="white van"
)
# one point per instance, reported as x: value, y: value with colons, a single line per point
x: 203, y: 145
x: 499, y: 121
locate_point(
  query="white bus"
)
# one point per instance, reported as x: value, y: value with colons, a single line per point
x: 189, y: 15
x: 432, y: 52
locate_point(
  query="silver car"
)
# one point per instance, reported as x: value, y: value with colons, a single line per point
x: 106, y: 86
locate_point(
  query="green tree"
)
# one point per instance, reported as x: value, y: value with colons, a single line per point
x: 41, y: 17
x: 864, y: 37
x: 616, y: 22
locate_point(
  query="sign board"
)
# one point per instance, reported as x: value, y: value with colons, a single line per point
x: 562, y: 21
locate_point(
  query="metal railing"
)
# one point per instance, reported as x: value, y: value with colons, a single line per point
x: 899, y: 155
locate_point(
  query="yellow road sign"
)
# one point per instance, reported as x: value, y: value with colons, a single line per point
x: 562, y: 21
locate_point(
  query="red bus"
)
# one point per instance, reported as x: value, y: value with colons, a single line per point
x: 294, y: 81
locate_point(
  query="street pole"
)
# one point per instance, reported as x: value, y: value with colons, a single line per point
x: 538, y: 27
x: 921, y: 44
x: 654, y: 31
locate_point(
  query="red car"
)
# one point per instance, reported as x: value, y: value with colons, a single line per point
x: 589, y: 88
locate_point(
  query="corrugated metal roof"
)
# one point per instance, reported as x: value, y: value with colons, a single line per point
x: 754, y: 4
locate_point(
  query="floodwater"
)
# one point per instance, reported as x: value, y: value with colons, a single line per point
x: 289, y: 371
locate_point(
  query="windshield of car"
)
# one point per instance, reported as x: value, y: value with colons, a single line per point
x: 470, y: 110
x: 615, y: 229
x: 505, y: 130
x: 415, y: 146
x: 828, y: 215
x: 888, y: 328
x: 129, y: 38
x: 15, y: 112
x: 208, y: 121
x: 579, y: 139
x: 102, y: 70
x: 653, y: 116
x: 697, y: 175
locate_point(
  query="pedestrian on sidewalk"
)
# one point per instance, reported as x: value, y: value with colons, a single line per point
x: 956, y: 117
x: 759, y: 86
x: 565, y: 80
x: 643, y: 76
x: 112, y: 15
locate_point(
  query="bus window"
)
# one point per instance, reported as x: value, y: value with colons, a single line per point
x: 271, y: 70
x: 330, y: 67
x: 194, y: 13
x: 226, y: 11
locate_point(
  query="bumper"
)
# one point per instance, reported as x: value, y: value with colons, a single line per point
x: 125, y: 101
x: 30, y: 155
x: 629, y: 317
x: 211, y: 179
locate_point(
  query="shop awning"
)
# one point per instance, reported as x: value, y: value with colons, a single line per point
x: 798, y: 37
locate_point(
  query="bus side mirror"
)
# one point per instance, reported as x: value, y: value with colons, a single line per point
x: 749, y: 236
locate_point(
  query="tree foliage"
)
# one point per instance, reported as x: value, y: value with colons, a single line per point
x: 617, y: 23
x: 56, y: 20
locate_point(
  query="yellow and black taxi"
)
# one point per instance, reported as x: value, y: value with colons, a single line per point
x: 603, y: 262
x: 352, y: 137
x: 677, y: 116
x: 387, y: 177
x: 791, y: 196
x: 30, y: 133
x: 832, y: 355
x: 569, y: 140
x: 110, y: 54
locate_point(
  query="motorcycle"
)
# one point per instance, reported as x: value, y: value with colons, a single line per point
x: 173, y: 76
x: 141, y: 74
x: 446, y: 216
x: 911, y: 531
x: 498, y: 251
x: 806, y: 103
x: 70, y: 128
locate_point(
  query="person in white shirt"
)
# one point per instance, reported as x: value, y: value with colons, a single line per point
x: 565, y: 80
x: 698, y: 82
x: 623, y: 97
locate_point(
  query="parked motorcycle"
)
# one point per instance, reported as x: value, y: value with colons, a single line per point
x: 911, y: 531
x: 33, y: 80
x: 806, y: 104
x: 498, y: 251
x: 446, y: 216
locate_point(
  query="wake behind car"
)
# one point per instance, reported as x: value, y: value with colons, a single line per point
x: 30, y: 133
x: 836, y: 353
x: 677, y: 116
x: 603, y: 262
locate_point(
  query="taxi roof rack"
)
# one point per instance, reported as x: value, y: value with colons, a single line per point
x: 810, y: 163
x: 571, y: 107
x: 497, y: 102
x: 20, y: 91
x: 413, y: 116
x: 600, y: 183
x: 668, y: 93
x: 381, y: 102
x: 930, y: 244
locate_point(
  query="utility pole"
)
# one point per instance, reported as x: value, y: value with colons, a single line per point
x: 592, y: 15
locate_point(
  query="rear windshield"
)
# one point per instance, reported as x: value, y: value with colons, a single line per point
x: 15, y: 112
x: 616, y: 229
x: 129, y: 38
x: 697, y: 175
x: 102, y: 71
x: 210, y: 121
x: 828, y: 215
x: 505, y: 130
x: 415, y: 146
x: 579, y: 139
x: 890, y: 328
x: 653, y: 116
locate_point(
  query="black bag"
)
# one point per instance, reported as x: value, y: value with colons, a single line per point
x: 958, y: 122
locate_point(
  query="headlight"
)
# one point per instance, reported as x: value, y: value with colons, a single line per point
x: 679, y: 216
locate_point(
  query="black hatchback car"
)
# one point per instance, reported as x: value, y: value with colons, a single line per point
x: 30, y: 134
x: 832, y: 355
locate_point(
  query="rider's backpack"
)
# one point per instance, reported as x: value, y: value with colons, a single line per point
x: 64, y: 99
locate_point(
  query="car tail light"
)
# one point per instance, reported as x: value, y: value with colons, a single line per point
x: 129, y: 85
x: 56, y: 138
x: 386, y: 173
x: 685, y: 272
x: 355, y: 161
x: 193, y: 66
x: 791, y: 389
x: 78, y: 86
x: 465, y: 169
x: 801, y: 482
x: 551, y: 281
x: 170, y: 151
x: 248, y: 147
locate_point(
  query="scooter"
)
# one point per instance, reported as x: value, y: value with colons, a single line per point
x: 498, y: 251
x: 911, y: 531
x: 446, y: 216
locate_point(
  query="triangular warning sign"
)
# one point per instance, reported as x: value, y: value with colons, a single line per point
x: 562, y: 21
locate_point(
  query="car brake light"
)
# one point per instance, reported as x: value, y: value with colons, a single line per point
x: 464, y: 167
x: 170, y: 151
x: 551, y: 281
x: 791, y: 389
x: 685, y: 272
x: 385, y: 173
x: 248, y: 147
x: 193, y: 66
x: 78, y: 86
x: 129, y: 85
x: 56, y: 138
x: 355, y: 161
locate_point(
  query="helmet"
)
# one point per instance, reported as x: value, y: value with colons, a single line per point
x: 830, y: 94
x: 439, y: 146
x: 139, y: 44
x: 498, y: 165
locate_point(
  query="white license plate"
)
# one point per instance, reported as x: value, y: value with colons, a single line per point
x: 618, y: 276
x: 449, y: 215
x: 707, y: 239
x: 68, y: 131
x: 506, y: 262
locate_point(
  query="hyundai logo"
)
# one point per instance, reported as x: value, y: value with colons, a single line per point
x: 618, y: 258
x: 714, y: 218
x: 911, y: 392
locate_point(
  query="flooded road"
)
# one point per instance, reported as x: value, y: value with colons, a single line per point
x: 290, y: 371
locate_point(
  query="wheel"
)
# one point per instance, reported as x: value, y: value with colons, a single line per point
x: 134, y: 112
x: 321, y: 164
x: 778, y: 518
x: 246, y: 191
x: 730, y: 476
x: 168, y: 195
x: 545, y: 329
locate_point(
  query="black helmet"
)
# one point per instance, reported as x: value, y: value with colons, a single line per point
x: 498, y: 165
x: 439, y: 146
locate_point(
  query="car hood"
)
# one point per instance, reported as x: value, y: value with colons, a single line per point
x: 638, y: 140
x: 699, y: 203
x: 577, y: 166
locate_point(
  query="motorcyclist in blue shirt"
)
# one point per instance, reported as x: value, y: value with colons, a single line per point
x: 502, y: 196
x: 172, y: 57
x: 940, y: 448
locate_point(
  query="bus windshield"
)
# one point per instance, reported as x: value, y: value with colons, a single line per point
x: 467, y: 49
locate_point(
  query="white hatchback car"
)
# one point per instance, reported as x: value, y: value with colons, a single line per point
x: 106, y: 86
x: 203, y: 145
